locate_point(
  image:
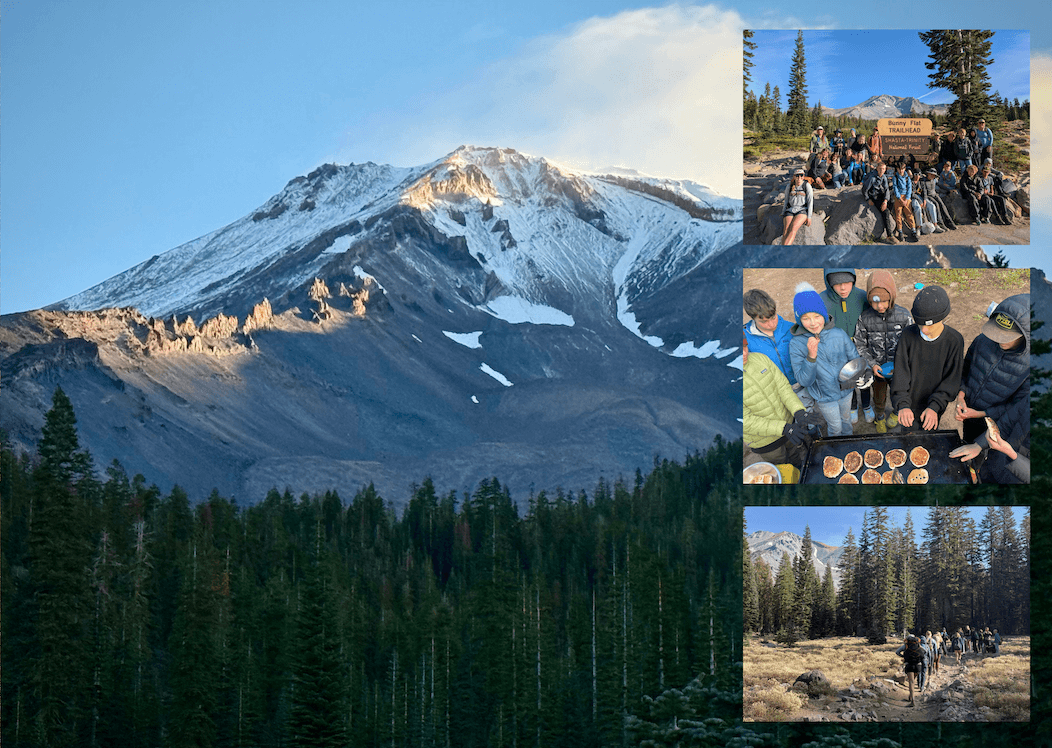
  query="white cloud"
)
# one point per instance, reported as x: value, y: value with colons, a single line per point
x: 655, y: 89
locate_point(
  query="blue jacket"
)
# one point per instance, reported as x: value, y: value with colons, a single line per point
x: 994, y: 378
x: 984, y: 137
x: 947, y: 181
x: 775, y: 348
x: 902, y: 186
x: 821, y: 377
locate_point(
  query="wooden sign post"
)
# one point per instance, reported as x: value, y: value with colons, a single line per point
x: 904, y: 137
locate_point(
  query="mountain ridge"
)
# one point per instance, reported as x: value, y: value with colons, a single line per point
x: 882, y: 106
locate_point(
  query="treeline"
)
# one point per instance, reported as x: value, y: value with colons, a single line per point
x: 961, y: 574
x: 133, y: 618
x: 958, y: 61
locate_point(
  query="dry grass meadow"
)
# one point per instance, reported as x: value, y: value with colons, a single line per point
x: 1000, y: 682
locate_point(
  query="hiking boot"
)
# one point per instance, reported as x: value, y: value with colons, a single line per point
x: 940, y: 230
x: 913, y: 236
x: 890, y: 239
x: 951, y: 226
x: 869, y: 414
x: 881, y: 426
x: 893, y: 421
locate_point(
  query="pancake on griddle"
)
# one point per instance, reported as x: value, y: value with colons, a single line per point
x: 874, y: 458
x: 896, y: 458
x: 847, y: 478
x: 832, y: 466
x: 852, y: 462
x: 887, y: 477
x: 917, y: 477
x: 871, y: 477
x: 919, y: 456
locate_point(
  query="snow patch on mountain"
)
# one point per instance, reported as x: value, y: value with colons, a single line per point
x: 518, y: 311
x: 467, y: 339
x: 711, y: 348
x: 495, y: 374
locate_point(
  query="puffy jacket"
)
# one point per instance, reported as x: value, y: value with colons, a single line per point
x: 768, y: 401
x: 775, y: 347
x: 845, y: 312
x: 993, y: 378
x: 877, y: 335
x: 821, y: 377
x: 877, y: 188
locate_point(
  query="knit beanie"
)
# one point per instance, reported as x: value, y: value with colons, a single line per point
x: 931, y: 305
x: 808, y: 300
x: 840, y: 277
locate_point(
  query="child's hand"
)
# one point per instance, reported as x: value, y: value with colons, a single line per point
x: 929, y: 419
x: 906, y: 417
x: 877, y: 371
x: 812, y: 347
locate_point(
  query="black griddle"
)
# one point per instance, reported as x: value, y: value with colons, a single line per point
x: 941, y: 467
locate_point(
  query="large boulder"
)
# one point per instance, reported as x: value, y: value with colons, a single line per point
x: 771, y: 229
x: 854, y: 221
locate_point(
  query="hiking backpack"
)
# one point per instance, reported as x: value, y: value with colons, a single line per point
x: 913, y: 652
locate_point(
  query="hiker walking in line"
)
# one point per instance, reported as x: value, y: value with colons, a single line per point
x: 912, y: 651
x: 958, y: 645
x: 975, y: 641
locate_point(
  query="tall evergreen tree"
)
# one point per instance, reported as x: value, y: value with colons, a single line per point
x: 796, y: 114
x: 748, y: 47
x: 958, y: 61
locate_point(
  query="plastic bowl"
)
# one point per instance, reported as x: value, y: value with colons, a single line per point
x: 760, y: 469
x: 887, y: 369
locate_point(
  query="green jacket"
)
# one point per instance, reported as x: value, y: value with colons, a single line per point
x: 845, y: 312
x: 768, y: 401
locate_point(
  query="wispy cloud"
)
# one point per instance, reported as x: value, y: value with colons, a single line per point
x: 648, y: 89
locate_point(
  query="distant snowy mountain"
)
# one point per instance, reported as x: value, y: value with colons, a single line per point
x: 490, y: 313
x: 770, y: 546
x: 884, y: 105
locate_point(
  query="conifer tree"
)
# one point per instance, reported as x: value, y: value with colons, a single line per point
x: 316, y: 716
x: 958, y: 59
x: 796, y: 113
x: 750, y: 594
x: 748, y: 45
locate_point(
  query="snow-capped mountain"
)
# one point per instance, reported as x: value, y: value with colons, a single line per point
x: 490, y: 313
x: 770, y: 546
x: 885, y: 105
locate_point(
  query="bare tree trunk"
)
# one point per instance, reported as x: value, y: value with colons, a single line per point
x: 595, y: 687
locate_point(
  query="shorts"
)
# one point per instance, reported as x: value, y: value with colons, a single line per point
x: 793, y: 211
x: 914, y: 667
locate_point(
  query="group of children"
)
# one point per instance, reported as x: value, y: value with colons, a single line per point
x: 915, y: 194
x: 795, y: 370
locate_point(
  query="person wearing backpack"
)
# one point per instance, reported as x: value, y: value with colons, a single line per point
x: 912, y: 651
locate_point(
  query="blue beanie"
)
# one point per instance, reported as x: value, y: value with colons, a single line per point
x: 808, y: 300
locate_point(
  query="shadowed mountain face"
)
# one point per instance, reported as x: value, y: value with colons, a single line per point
x: 487, y: 314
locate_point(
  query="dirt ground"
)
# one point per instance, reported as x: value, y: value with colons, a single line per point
x: 950, y: 695
x: 971, y: 291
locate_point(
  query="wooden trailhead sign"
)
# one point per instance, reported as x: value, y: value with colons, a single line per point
x: 904, y: 136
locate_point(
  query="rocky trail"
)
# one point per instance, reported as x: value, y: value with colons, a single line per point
x: 947, y: 697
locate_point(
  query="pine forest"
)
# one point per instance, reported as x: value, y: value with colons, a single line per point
x: 960, y: 574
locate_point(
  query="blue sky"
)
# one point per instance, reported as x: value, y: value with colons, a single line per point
x: 838, y: 73
x: 130, y: 128
x: 829, y: 524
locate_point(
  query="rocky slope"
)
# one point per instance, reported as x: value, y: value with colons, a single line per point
x: 490, y: 313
